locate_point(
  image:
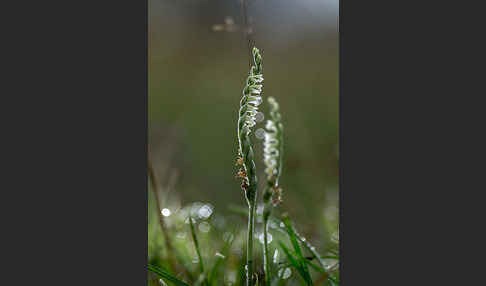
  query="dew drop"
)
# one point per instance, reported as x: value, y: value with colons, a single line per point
x: 166, y: 212
x: 262, y: 240
x: 259, y: 116
x: 220, y: 255
x: 187, y: 220
x: 205, y: 211
x: 260, y: 133
x: 275, y: 256
x: 284, y: 273
x: 194, y: 208
x: 328, y: 263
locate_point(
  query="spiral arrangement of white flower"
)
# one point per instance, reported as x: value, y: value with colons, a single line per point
x: 251, y: 95
x: 273, y: 144
x: 247, y: 119
x: 272, y: 157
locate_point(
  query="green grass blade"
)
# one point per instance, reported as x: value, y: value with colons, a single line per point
x: 219, y: 261
x: 312, y: 250
x: 295, y: 243
x: 295, y: 263
x: 196, y: 245
x: 312, y: 265
x: 214, y: 270
x: 166, y: 275
x: 309, y: 247
x: 201, y: 280
x: 333, y: 280
x: 198, y: 251
x: 316, y: 267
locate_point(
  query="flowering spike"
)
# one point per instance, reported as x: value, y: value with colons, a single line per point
x: 272, y: 157
x: 273, y: 145
x: 249, y: 103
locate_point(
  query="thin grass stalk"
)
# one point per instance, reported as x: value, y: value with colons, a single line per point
x: 219, y: 261
x: 310, y: 248
x: 247, y: 30
x: 266, y: 255
x: 249, y: 251
x: 163, y: 226
x: 196, y: 245
x: 298, y: 251
x: 198, y: 251
x: 166, y: 275
x: 249, y: 103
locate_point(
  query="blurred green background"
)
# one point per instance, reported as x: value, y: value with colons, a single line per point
x: 198, y: 63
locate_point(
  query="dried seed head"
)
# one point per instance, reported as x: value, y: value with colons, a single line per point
x: 244, y: 185
x: 276, y: 195
x: 276, y: 200
x: 241, y: 173
x: 239, y: 161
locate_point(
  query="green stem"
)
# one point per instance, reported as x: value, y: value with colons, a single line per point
x: 249, y: 247
x: 246, y: 29
x: 266, y: 254
x: 267, y: 209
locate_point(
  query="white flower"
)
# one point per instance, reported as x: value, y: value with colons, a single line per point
x: 271, y: 143
x: 252, y: 98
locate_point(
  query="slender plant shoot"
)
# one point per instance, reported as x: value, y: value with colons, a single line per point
x: 247, y: 119
x: 198, y: 251
x: 166, y: 275
x: 163, y: 226
x: 272, y: 194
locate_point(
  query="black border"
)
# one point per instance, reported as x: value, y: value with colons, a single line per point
x: 76, y: 160
x: 75, y: 102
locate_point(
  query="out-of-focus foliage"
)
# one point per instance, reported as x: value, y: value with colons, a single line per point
x: 222, y: 243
